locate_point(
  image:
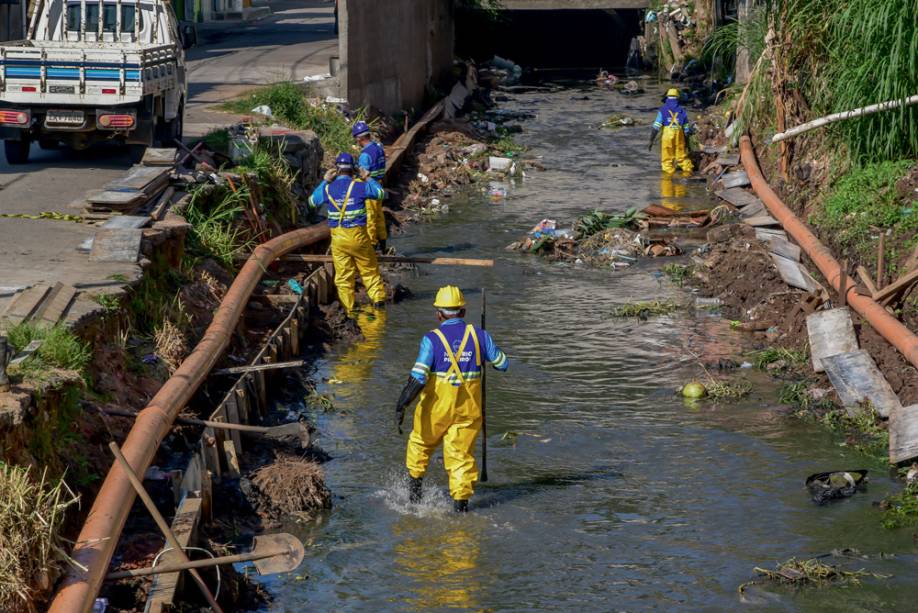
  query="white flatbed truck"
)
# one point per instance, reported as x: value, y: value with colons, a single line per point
x: 92, y: 71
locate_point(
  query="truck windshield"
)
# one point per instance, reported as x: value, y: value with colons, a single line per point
x: 109, y: 17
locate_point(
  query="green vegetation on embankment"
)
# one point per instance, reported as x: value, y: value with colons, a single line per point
x: 291, y: 106
x: 810, y: 58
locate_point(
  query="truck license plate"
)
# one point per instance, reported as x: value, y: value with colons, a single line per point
x: 61, y: 89
x: 68, y: 118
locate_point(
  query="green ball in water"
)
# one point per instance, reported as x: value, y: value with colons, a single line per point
x: 694, y: 390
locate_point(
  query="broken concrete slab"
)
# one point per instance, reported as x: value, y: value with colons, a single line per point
x: 25, y: 304
x: 728, y: 159
x: 116, y: 245
x: 790, y: 272
x: 857, y: 380
x: 903, y: 434
x: 753, y: 209
x: 735, y: 179
x: 761, y: 220
x: 831, y: 332
x: 737, y: 196
x: 783, y: 247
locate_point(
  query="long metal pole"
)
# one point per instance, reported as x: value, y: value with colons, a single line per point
x: 205, y: 563
x: 484, y: 398
x: 161, y: 523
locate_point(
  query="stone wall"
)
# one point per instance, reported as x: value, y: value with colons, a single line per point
x: 391, y: 50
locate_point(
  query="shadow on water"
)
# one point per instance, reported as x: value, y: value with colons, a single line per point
x: 493, y: 495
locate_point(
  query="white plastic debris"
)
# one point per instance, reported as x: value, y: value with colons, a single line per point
x: 263, y: 109
x: 423, y: 178
x: 312, y: 78
x: 499, y: 164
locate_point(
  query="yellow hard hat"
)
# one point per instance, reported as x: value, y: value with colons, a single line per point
x: 449, y: 297
x: 672, y: 93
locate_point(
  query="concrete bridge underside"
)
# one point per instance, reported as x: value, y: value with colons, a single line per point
x: 558, y: 5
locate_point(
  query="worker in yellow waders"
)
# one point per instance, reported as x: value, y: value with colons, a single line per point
x: 352, y: 251
x: 673, y: 120
x: 372, y: 158
x: 447, y: 375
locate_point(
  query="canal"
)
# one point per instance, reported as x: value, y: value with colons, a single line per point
x: 607, y: 491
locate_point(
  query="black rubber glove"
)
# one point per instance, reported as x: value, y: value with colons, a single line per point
x: 409, y: 393
x: 653, y: 137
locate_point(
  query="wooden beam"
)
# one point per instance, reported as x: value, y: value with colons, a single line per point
x: 867, y: 281
x: 890, y: 291
x: 397, y: 259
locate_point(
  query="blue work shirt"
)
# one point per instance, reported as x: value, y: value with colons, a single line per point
x: 352, y: 213
x: 373, y: 159
x: 453, y: 330
x: 671, y: 113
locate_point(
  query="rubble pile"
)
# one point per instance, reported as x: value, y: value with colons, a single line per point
x: 599, y: 239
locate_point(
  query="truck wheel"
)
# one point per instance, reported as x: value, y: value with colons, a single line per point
x: 168, y: 132
x: 17, y: 151
x: 136, y: 153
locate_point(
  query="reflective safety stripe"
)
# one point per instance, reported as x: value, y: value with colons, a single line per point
x: 454, y: 368
x: 673, y: 119
x: 347, y: 197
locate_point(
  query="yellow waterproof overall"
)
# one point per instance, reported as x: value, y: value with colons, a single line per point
x: 673, y: 147
x: 449, y: 410
x: 352, y: 252
x: 376, y: 221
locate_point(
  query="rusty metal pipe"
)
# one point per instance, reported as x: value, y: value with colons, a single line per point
x: 888, y: 326
x: 99, y: 536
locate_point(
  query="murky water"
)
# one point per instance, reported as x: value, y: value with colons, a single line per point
x: 613, y: 494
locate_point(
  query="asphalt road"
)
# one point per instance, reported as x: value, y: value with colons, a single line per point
x: 295, y: 41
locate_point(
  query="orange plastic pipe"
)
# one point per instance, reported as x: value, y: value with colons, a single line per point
x: 100, y: 533
x: 888, y: 326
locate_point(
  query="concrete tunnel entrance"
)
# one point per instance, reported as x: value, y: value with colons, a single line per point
x: 550, y: 39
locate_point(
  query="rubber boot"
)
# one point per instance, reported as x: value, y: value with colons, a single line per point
x: 461, y: 506
x: 414, y: 490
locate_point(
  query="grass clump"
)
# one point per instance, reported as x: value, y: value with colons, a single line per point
x: 779, y: 358
x: 677, y: 273
x: 290, y: 106
x: 901, y: 510
x: 597, y: 221
x: 863, y: 431
x: 31, y: 515
x: 60, y: 349
x: 720, y: 390
x: 215, y: 228
x: 645, y: 308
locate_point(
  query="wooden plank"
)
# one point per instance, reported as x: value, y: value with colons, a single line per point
x: 28, y: 350
x: 735, y: 179
x: 784, y: 248
x: 126, y: 222
x: 138, y: 178
x: 242, y: 403
x: 831, y: 332
x: 155, y: 156
x: 116, y: 245
x: 117, y: 200
x: 866, y: 280
x: 25, y: 304
x: 232, y: 416
x: 894, y: 288
x: 55, y: 307
x: 857, y: 379
x: 165, y: 586
x: 790, y: 272
x: 762, y: 220
x: 903, y: 434
x: 209, y: 451
x: 232, y: 459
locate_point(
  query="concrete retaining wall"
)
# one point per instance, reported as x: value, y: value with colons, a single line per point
x: 391, y: 50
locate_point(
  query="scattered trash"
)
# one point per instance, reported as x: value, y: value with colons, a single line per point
x: 499, y: 164
x: 500, y: 71
x: 497, y: 191
x: 316, y: 77
x: 828, y: 486
x: 694, y: 390
x: 810, y: 572
x: 617, y: 121
x: 263, y: 109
